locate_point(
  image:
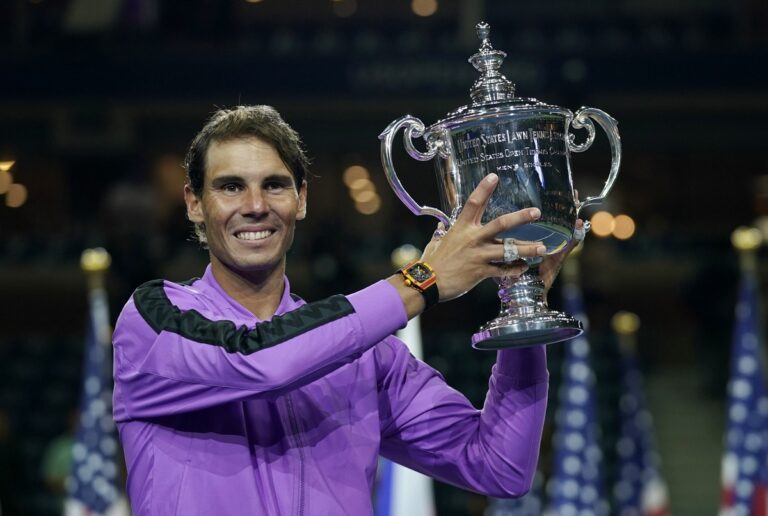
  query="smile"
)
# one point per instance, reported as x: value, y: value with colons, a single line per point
x: 253, y: 235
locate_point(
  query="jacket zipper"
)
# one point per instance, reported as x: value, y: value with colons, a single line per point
x: 300, y: 447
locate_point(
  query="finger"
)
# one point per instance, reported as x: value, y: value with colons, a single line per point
x: 495, y: 253
x: 439, y: 232
x: 579, y: 232
x: 475, y: 206
x: 573, y: 243
x: 509, y: 221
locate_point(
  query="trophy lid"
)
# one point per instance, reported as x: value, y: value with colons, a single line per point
x: 491, y: 87
x: 492, y: 94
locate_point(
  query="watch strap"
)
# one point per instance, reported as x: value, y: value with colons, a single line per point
x: 431, y: 296
x: 427, y: 288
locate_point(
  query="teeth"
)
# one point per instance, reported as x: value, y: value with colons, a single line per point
x: 253, y: 235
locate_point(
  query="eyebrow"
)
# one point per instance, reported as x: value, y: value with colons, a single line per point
x: 234, y: 178
x: 281, y: 178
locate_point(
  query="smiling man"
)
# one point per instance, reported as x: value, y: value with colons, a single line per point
x: 248, y: 203
x: 234, y: 396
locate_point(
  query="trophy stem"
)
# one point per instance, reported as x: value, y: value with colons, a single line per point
x: 524, y: 297
x: 525, y: 319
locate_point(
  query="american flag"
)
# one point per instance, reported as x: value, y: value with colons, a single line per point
x: 576, y: 484
x: 92, y: 485
x: 744, y: 472
x: 640, y: 490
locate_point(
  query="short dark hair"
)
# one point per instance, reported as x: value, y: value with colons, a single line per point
x: 263, y: 122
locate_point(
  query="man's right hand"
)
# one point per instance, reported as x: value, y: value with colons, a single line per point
x: 469, y: 251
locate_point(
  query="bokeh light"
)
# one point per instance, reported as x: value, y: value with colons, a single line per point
x: 95, y: 260
x: 424, y: 7
x: 16, y: 195
x: 362, y: 183
x: 6, y: 180
x: 353, y: 173
x: 363, y: 196
x: 603, y: 224
x: 625, y: 323
x: 404, y: 255
x: 746, y: 239
x: 624, y: 227
x: 369, y: 207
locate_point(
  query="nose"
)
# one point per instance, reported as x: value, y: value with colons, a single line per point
x: 254, y: 203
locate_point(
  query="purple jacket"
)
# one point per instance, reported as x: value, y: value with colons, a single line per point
x: 220, y: 413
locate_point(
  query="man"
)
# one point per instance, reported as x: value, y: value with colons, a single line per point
x: 233, y: 396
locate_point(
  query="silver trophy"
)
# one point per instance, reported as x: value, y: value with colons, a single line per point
x: 528, y: 144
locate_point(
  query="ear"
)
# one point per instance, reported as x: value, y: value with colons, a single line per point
x: 194, y: 205
x: 302, y: 211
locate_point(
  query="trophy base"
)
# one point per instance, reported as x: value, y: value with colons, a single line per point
x: 520, y: 331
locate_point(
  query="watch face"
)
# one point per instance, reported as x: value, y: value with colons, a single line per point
x: 420, y: 273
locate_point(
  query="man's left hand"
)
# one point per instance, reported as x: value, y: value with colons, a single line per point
x: 551, y: 264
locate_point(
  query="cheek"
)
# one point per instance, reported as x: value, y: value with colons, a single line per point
x: 217, y: 213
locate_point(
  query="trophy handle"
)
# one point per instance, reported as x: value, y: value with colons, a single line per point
x: 583, y: 120
x: 414, y: 128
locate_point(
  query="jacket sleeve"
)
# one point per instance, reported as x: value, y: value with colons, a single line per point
x: 169, y: 360
x: 434, y: 429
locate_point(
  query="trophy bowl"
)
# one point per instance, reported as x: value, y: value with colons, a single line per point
x: 527, y: 143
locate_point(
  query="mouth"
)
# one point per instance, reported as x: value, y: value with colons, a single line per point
x: 251, y: 236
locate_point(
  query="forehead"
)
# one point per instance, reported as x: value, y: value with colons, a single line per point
x: 243, y: 156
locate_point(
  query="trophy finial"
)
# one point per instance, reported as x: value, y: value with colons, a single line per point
x: 483, y: 31
x: 491, y: 87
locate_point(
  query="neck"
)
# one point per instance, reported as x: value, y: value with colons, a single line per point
x: 260, y: 293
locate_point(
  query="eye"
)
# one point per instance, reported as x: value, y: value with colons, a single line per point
x: 231, y: 187
x: 276, y: 185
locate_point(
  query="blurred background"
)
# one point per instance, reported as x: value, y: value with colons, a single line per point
x: 100, y: 98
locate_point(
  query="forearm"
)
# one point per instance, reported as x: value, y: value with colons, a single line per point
x: 493, y: 451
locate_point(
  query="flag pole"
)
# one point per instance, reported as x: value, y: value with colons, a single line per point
x: 95, y: 264
x: 747, y: 241
x: 744, y: 468
x: 625, y: 325
x: 576, y: 484
x: 95, y: 490
x: 640, y: 487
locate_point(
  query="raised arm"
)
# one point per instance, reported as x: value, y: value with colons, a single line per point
x: 432, y: 428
